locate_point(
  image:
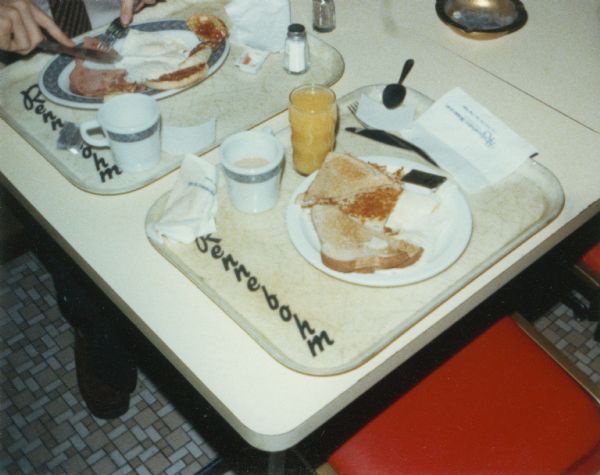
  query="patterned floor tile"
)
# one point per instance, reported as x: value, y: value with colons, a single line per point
x: 44, y: 428
x: 575, y: 338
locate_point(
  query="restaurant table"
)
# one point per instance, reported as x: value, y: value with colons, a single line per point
x: 271, y: 406
x: 555, y: 57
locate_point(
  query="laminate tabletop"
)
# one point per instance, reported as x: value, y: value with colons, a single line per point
x: 270, y: 405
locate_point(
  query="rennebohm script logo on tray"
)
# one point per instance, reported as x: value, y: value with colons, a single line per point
x: 316, y: 341
x: 34, y: 101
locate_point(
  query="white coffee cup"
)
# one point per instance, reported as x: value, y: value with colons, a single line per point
x: 131, y: 127
x: 252, y: 162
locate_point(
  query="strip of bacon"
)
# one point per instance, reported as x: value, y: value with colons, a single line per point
x: 90, y: 82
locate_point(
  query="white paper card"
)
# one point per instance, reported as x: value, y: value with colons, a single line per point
x: 374, y: 113
x: 191, y: 139
x: 490, y: 148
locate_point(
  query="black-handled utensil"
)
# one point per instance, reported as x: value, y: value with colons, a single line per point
x: 393, y: 94
x: 388, y: 138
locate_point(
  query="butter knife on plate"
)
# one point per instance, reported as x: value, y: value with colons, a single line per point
x: 80, y: 52
x: 388, y: 138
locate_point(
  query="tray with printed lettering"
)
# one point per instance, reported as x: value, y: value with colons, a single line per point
x: 237, y: 100
x: 318, y: 324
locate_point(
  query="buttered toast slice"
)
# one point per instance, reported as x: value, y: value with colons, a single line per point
x: 340, y: 177
x: 372, y: 207
x: 349, y: 246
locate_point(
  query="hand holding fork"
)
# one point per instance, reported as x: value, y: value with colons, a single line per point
x: 119, y: 27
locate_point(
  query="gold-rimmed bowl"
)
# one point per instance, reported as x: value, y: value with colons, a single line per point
x: 482, y: 19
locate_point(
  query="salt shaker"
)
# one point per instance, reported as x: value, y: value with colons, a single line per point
x: 323, y: 15
x: 296, y: 53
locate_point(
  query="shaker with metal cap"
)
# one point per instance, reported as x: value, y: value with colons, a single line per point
x: 323, y: 15
x: 296, y: 59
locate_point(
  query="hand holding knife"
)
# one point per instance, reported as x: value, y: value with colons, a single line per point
x: 80, y: 52
x: 390, y: 139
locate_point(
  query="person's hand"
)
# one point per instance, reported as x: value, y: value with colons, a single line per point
x: 21, y: 24
x: 128, y: 7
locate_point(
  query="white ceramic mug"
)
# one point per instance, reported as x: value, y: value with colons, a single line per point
x: 251, y: 162
x: 131, y: 127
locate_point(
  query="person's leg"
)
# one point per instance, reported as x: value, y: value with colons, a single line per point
x: 106, y: 370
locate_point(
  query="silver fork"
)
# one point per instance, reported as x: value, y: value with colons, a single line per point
x: 353, y: 108
x: 115, y: 31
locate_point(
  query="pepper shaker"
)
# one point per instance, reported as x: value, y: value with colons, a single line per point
x: 323, y: 15
x: 296, y: 54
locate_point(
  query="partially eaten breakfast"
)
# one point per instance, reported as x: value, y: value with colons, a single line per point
x: 159, y: 60
x: 209, y: 28
x: 349, y: 246
x: 342, y: 176
x: 351, y: 202
x: 99, y: 82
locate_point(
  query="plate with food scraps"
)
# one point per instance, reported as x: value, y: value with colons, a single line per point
x: 438, y: 221
x: 54, y: 79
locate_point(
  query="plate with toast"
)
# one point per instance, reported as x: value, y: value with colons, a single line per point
x: 356, y: 220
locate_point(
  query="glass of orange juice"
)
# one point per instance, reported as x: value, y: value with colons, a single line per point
x: 313, y: 118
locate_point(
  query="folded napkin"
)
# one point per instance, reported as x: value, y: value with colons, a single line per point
x: 462, y: 136
x: 374, y: 113
x: 182, y: 140
x: 192, y: 204
x: 259, y: 24
x: 468, y: 141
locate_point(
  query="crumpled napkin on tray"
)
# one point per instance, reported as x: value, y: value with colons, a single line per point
x: 192, y: 204
x: 259, y: 24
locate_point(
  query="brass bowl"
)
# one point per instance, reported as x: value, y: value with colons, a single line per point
x: 482, y: 19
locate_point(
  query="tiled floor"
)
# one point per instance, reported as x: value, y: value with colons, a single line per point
x: 575, y: 338
x: 44, y: 428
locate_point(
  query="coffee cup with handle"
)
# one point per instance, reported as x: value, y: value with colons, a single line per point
x: 130, y: 125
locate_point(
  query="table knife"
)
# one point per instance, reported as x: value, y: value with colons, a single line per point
x: 80, y: 52
x: 390, y: 139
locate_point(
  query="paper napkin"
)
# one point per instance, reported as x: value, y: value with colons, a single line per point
x: 374, y: 113
x: 468, y: 141
x: 192, y: 204
x: 259, y: 24
x: 182, y: 140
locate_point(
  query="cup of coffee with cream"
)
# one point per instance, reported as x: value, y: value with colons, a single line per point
x: 252, y: 162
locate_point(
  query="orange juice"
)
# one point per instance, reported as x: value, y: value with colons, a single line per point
x: 313, y: 117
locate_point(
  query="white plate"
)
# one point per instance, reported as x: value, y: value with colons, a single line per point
x: 54, y: 79
x: 449, y: 244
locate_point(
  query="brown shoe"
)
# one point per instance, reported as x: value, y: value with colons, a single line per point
x: 103, y: 400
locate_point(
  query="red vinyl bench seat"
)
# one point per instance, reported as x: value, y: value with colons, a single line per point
x: 591, y: 260
x: 499, y: 405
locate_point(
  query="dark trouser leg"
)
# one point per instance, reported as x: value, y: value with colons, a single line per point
x: 94, y: 317
x: 106, y: 370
